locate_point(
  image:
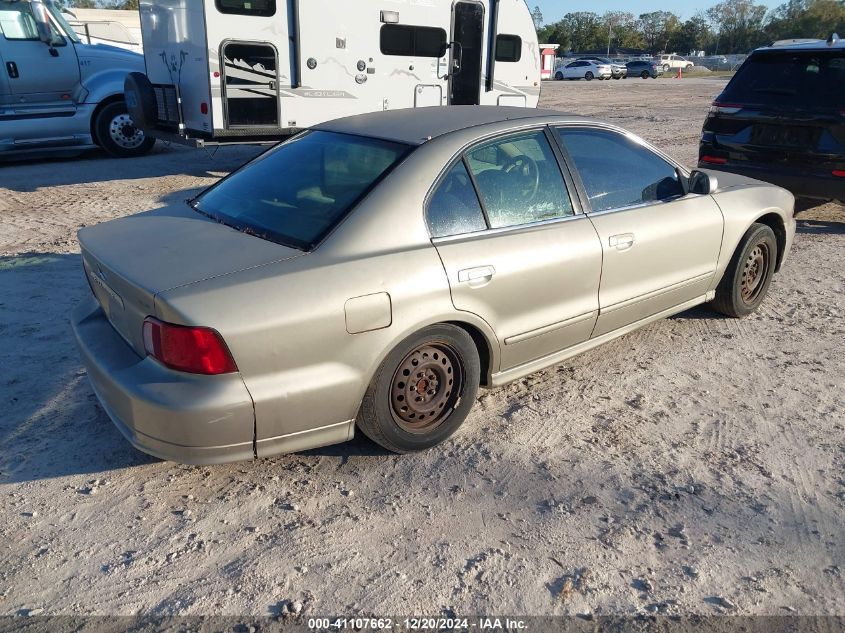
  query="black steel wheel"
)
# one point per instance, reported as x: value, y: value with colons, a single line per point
x: 747, y: 278
x: 423, y: 390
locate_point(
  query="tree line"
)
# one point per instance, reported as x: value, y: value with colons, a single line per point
x: 732, y: 26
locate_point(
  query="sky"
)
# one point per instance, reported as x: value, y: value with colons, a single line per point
x: 554, y: 10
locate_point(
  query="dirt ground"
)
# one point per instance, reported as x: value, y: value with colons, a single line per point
x: 695, y: 466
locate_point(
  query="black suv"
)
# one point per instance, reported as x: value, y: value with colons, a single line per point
x: 782, y: 119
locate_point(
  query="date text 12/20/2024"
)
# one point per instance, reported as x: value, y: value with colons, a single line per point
x: 416, y: 624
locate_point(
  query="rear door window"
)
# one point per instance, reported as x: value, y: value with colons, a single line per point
x: 617, y: 171
x: 519, y: 180
x: 790, y: 78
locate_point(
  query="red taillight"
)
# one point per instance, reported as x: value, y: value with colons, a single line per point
x: 204, y: 108
x: 713, y: 160
x: 196, y: 350
x: 720, y: 107
x: 839, y: 173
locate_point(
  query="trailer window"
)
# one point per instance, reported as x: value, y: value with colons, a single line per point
x: 508, y: 48
x: 264, y: 8
x: 298, y: 192
x: 412, y: 41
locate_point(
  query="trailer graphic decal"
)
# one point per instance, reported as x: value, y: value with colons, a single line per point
x: 174, y: 66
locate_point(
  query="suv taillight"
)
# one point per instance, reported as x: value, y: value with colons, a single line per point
x: 196, y: 350
x: 719, y: 107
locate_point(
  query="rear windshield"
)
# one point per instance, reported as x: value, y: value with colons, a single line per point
x: 804, y: 79
x: 296, y: 193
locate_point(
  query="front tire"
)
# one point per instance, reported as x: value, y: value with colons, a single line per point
x: 589, y: 76
x: 423, y: 390
x: 747, y: 279
x: 645, y: 74
x: 558, y: 76
x: 116, y: 132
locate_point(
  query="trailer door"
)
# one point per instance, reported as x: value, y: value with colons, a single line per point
x: 467, y: 48
x: 250, y: 84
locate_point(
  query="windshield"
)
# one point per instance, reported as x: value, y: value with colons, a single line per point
x: 790, y: 78
x: 60, y: 19
x: 298, y: 192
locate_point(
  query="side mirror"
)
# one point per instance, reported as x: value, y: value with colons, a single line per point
x: 42, y: 22
x: 702, y: 184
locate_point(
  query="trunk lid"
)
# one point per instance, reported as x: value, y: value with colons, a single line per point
x: 131, y: 260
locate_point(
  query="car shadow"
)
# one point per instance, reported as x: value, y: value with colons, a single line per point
x: 95, y: 166
x: 51, y: 424
x: 820, y: 227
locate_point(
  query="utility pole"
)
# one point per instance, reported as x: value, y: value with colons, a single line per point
x: 609, y: 34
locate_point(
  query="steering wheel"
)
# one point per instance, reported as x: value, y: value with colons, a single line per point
x: 527, y: 171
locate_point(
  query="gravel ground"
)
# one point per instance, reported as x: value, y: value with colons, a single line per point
x: 695, y: 466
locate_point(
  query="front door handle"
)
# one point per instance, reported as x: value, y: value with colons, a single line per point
x: 476, y: 277
x: 12, y: 69
x: 621, y: 242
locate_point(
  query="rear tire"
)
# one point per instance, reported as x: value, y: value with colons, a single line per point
x: 747, y: 278
x: 645, y: 74
x: 423, y: 390
x: 116, y: 132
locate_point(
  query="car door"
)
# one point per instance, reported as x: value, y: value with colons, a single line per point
x: 5, y: 91
x: 515, y: 249
x: 571, y: 71
x: 41, y: 82
x: 660, y: 244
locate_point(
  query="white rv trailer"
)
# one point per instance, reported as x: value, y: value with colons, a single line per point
x: 222, y: 71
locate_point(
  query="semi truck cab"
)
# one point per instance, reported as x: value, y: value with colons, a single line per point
x: 58, y: 94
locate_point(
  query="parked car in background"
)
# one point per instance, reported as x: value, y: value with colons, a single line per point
x: 583, y: 69
x: 618, y: 70
x: 782, y: 119
x: 403, y: 261
x: 58, y: 94
x: 673, y: 62
x: 644, y: 69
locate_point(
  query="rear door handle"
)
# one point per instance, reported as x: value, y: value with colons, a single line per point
x: 476, y: 277
x: 12, y: 69
x: 621, y: 242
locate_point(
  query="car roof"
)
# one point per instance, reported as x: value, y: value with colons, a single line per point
x: 834, y: 43
x: 416, y: 126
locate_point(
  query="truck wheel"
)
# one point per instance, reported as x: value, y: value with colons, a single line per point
x: 423, y: 390
x: 746, y: 281
x: 117, y: 134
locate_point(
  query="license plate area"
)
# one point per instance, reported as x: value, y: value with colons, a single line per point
x: 785, y: 136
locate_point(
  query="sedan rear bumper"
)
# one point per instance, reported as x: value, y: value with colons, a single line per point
x: 172, y: 415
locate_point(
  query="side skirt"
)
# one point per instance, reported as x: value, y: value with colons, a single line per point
x: 521, y: 371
